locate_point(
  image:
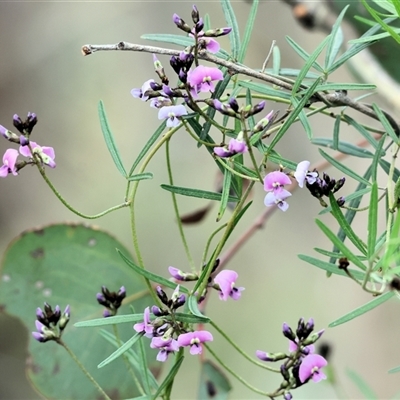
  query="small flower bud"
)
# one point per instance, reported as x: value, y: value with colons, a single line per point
x: 157, y: 311
x: 287, y: 332
x: 339, y: 184
x: 284, y: 372
x: 195, y: 15
x: 287, y: 396
x: 341, y: 201
x: 217, y: 32
x: 162, y: 295
x: 180, y: 23
x: 313, y: 338
x: 23, y: 141
x: 180, y: 301
x: 199, y: 26
x: 17, y: 122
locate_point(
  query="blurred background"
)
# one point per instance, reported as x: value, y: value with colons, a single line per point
x: 42, y: 70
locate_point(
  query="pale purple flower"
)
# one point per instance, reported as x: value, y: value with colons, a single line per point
x: 160, y: 101
x: 140, y: 93
x: 194, y: 340
x: 9, y: 161
x: 277, y: 198
x: 201, y: 79
x: 226, y: 281
x: 276, y: 180
x: 145, y: 326
x: 176, y: 273
x: 302, y: 174
x: 45, y: 153
x: 311, y: 366
x: 211, y: 45
x: 236, y: 146
x: 165, y: 345
x: 172, y: 114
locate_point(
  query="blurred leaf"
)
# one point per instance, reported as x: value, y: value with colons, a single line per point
x: 363, y: 131
x: 234, y: 35
x: 336, y: 131
x: 121, y: 350
x: 341, y: 167
x: 350, y: 197
x: 372, y: 220
x: 202, y: 194
x: 386, y: 167
x: 195, y: 216
x: 264, y: 89
x: 335, y: 41
x: 109, y: 139
x: 214, y: 385
x: 276, y: 61
x: 344, y: 147
x: 194, y: 308
x: 114, y: 320
x: 386, y: 124
x: 170, y: 376
x: 248, y: 30
x: 394, y: 370
x: 362, y: 385
x: 303, y: 119
x: 67, y: 264
x: 363, y: 309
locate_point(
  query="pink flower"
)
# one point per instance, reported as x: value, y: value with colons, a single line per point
x: 236, y: 146
x: 311, y: 366
x: 194, y: 340
x: 226, y: 281
x: 277, y: 198
x: 145, y: 326
x: 201, y: 79
x: 140, y: 93
x: 294, y: 346
x: 172, y: 114
x: 273, y: 184
x: 166, y: 346
x: 276, y: 180
x: 302, y: 174
x: 45, y: 153
x: 9, y: 161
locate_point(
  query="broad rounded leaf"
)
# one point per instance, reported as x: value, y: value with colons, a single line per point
x: 67, y: 264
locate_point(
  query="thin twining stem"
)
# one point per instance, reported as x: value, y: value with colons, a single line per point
x: 336, y: 99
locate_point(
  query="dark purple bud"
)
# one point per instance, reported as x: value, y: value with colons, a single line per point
x: 287, y: 332
x: 157, y: 311
x: 309, y: 326
x: 39, y: 337
x: 23, y: 141
x: 168, y: 91
x: 199, y: 26
x: 121, y: 292
x: 182, y: 76
x: 180, y: 23
x: 287, y: 396
x: 339, y: 184
x: 105, y: 291
x: 155, y: 86
x: 107, y: 313
x: 162, y: 295
x: 57, y: 312
x: 31, y: 121
x: 284, y: 372
x: 300, y: 329
x: 17, y: 122
x: 326, y: 178
x: 195, y: 15
x: 256, y: 109
x: 180, y: 301
x: 40, y: 314
x: 233, y: 104
x: 175, y: 64
x: 340, y: 201
x: 100, y: 298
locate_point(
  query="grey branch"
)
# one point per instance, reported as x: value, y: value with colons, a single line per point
x: 336, y: 99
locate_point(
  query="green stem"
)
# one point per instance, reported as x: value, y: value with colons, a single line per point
x: 235, y: 172
x: 176, y: 209
x: 238, y: 377
x: 244, y: 354
x: 128, y: 365
x: 83, y: 369
x: 63, y: 201
x: 203, y: 258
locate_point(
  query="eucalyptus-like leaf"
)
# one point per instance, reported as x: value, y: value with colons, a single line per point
x: 377, y: 301
x: 109, y: 139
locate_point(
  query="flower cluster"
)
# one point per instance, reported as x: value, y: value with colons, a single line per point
x: 50, y: 324
x: 36, y: 154
x: 111, y: 300
x: 302, y: 364
x: 166, y: 331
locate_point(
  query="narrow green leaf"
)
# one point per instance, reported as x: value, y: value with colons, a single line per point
x: 121, y: 350
x: 341, y: 167
x: 202, y: 194
x: 309, y: 63
x: 303, y: 119
x: 148, y: 145
x: 207, y: 22
x: 396, y: 4
x: 249, y: 101
x: 394, y: 370
x: 117, y: 319
x: 226, y: 188
x: 352, y: 196
x: 348, y: 230
x: 149, y: 275
x: 234, y: 36
x: 192, y: 319
x: 363, y: 131
x: 276, y: 61
x: 336, y: 130
x: 335, y: 41
x: 304, y: 55
x: 141, y: 177
x: 170, y: 377
x: 329, y: 267
x: 248, y: 30
x: 293, y: 115
x: 109, y: 139
x: 264, y: 89
x: 344, y: 147
x: 362, y: 385
x: 363, y: 309
x: 372, y: 220
x: 243, y: 169
x: 386, y: 124
x: 386, y: 167
x: 340, y: 245
x: 345, y: 86
x: 377, y: 157
x: 194, y: 308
